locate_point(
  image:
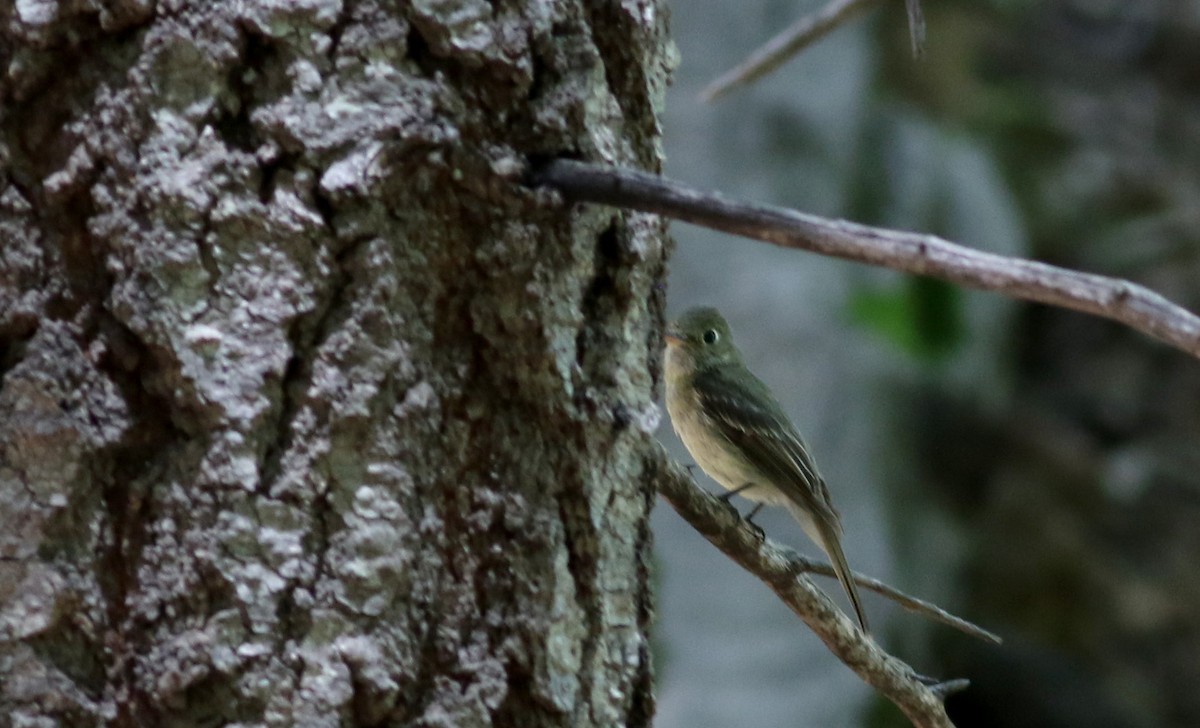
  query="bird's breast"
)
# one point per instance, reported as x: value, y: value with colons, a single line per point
x: 716, y: 455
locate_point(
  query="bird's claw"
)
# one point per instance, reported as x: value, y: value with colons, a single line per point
x: 760, y: 534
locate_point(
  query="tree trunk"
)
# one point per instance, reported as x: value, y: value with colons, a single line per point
x: 310, y: 412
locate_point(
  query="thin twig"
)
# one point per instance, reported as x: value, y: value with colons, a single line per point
x: 1120, y: 300
x: 916, y: 25
x: 804, y: 564
x: 801, y: 34
x: 945, y: 689
x: 778, y: 50
x: 721, y: 525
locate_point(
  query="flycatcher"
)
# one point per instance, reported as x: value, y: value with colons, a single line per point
x: 740, y: 436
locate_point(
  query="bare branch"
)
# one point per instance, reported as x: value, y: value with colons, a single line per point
x: 798, y: 36
x: 945, y: 689
x: 1113, y: 298
x: 801, y: 34
x: 916, y: 25
x: 804, y: 564
x: 720, y: 524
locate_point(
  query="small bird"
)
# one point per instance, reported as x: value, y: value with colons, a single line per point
x: 740, y: 436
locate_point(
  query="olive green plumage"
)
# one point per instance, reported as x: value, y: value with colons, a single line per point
x: 739, y: 435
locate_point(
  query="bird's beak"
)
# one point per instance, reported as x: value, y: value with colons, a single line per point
x: 673, y: 336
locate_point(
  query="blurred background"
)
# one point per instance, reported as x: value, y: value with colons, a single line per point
x: 1034, y: 470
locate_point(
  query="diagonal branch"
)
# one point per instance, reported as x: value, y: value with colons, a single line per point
x: 1120, y: 300
x: 801, y: 34
x: 775, y: 52
x: 895, y: 680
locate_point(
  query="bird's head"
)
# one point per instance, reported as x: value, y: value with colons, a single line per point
x: 703, y: 336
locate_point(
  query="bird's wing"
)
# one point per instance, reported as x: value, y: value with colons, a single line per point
x: 745, y: 413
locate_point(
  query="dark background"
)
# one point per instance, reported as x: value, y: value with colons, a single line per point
x: 1034, y: 470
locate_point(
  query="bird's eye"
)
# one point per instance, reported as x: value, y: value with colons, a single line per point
x: 710, y: 336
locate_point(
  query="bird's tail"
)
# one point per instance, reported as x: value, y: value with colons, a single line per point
x: 833, y: 547
x: 827, y: 535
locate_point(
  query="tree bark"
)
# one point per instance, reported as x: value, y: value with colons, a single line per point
x: 310, y: 412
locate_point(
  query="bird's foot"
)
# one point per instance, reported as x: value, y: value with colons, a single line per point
x: 762, y: 536
x: 731, y: 493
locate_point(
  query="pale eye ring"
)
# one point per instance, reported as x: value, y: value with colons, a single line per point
x: 711, y: 336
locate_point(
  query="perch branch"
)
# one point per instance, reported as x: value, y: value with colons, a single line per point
x: 1120, y: 300
x: 801, y: 34
x: 776, y: 567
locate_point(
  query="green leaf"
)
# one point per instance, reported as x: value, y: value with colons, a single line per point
x: 921, y: 316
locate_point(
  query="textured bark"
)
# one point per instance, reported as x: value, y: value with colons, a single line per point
x: 310, y: 412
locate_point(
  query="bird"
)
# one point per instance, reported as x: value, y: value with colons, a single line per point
x: 741, y: 437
